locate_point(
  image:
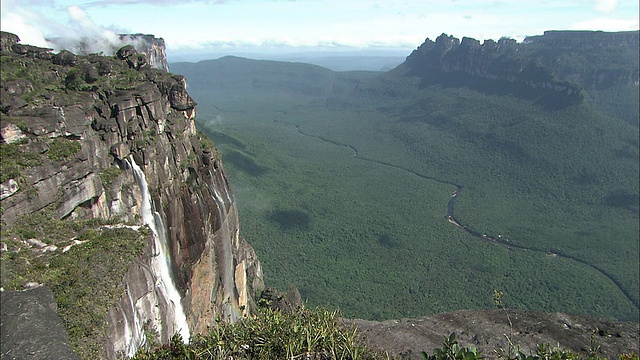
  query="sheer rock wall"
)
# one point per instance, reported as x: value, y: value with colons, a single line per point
x: 149, y: 119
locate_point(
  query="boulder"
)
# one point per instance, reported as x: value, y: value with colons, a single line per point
x: 65, y: 58
x: 31, y: 328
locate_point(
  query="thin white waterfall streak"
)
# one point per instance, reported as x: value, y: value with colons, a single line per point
x: 133, y: 333
x: 226, y: 256
x: 161, y: 261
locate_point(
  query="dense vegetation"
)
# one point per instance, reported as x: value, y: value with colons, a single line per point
x: 343, y: 181
x: 81, y: 261
x: 270, y: 334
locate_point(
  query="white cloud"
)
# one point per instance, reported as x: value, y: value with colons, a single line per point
x: 20, y: 22
x: 606, y: 24
x: 606, y: 6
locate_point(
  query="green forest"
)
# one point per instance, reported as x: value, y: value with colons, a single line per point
x: 343, y: 182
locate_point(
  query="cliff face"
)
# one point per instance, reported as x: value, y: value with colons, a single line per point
x: 594, y: 59
x: 563, y: 63
x: 106, y: 117
x: 153, y: 48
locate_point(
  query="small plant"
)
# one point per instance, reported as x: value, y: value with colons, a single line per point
x: 511, y: 348
x: 205, y: 141
x: 451, y: 350
x: 86, y: 280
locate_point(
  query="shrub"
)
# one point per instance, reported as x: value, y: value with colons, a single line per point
x: 62, y: 148
x: 270, y: 334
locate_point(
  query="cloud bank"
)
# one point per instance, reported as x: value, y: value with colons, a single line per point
x: 301, y: 25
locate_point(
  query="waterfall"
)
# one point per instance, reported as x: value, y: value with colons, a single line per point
x: 133, y: 335
x: 226, y: 257
x: 161, y: 260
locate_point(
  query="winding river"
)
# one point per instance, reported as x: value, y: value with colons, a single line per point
x: 449, y: 215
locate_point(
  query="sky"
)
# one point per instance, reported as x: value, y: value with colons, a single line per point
x: 297, y: 26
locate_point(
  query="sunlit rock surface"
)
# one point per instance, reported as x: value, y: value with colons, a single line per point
x: 149, y: 119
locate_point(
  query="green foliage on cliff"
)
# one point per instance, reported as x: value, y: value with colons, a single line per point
x: 109, y: 175
x: 62, y: 149
x: 271, y: 334
x: 14, y: 158
x: 81, y: 261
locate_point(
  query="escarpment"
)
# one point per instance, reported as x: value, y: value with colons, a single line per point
x: 75, y: 130
x: 557, y: 67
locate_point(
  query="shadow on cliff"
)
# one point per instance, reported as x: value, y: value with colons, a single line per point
x: 547, y: 98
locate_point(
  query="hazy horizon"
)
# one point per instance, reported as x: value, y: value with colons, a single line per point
x: 274, y: 27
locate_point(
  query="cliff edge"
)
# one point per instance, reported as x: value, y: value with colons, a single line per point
x: 89, y: 141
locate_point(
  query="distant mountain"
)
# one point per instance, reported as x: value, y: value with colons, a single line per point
x: 237, y: 77
x: 557, y: 68
x: 335, y: 59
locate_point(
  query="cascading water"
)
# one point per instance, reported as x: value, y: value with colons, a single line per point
x: 161, y: 261
x: 226, y: 257
x: 133, y: 333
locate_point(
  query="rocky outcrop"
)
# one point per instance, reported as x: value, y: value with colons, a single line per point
x: 487, y: 331
x: 154, y: 49
x: 492, y: 63
x: 594, y: 59
x: 83, y: 124
x: 31, y: 329
x: 558, y: 64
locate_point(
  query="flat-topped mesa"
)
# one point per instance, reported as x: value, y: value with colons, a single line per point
x: 491, y: 61
x: 109, y: 113
x: 539, y: 64
x: 577, y: 38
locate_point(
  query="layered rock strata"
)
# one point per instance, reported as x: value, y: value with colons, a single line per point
x: 84, y: 120
x: 560, y: 63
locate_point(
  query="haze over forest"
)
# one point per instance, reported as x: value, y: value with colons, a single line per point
x: 387, y: 160
x: 345, y: 180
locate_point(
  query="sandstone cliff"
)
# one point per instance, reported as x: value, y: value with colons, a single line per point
x: 74, y: 131
x: 153, y: 48
x: 556, y: 67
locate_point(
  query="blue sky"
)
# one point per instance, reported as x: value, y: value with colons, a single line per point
x: 308, y: 25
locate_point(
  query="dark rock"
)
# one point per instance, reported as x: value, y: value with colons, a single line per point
x: 17, y: 87
x: 31, y: 51
x: 126, y: 52
x: 486, y: 330
x: 179, y: 98
x: 90, y: 74
x: 104, y: 65
x: 7, y: 40
x: 31, y: 328
x: 279, y: 300
x: 65, y: 58
x: 8, y: 103
x: 134, y: 59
